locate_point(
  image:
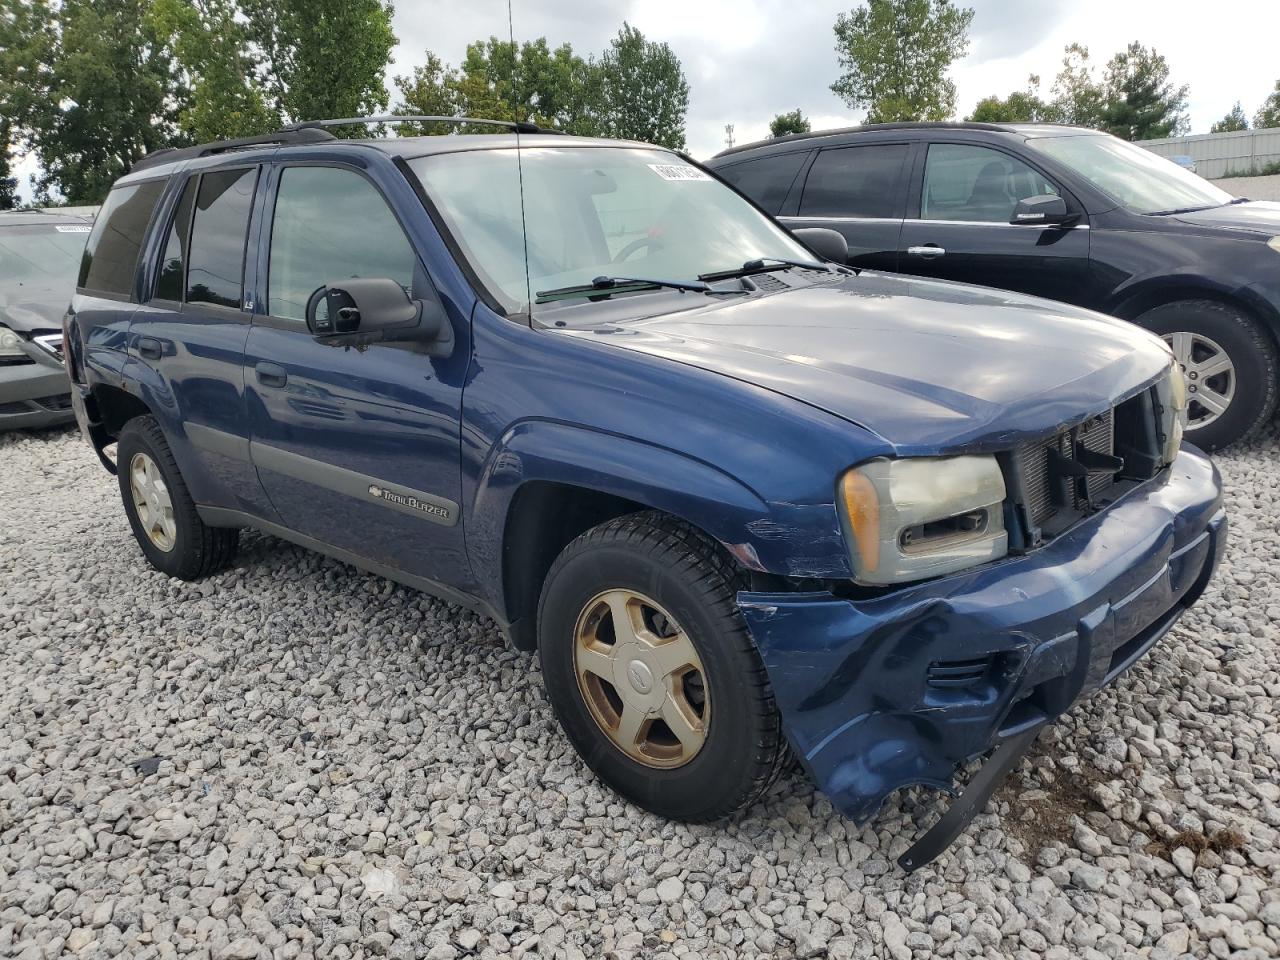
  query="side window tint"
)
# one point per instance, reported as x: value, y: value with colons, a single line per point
x: 331, y: 224
x: 215, y: 260
x: 169, y: 282
x: 855, y: 182
x: 963, y: 182
x: 767, y: 180
x: 110, y: 259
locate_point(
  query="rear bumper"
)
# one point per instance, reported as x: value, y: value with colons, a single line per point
x: 34, y: 395
x: 881, y: 694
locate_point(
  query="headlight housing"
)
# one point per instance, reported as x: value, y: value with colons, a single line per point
x: 1274, y: 244
x: 1172, y: 393
x: 915, y: 518
x: 10, y: 344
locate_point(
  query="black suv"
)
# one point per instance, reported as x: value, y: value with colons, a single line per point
x: 1060, y: 212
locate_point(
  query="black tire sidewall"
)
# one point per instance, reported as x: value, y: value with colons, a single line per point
x: 138, y: 437
x: 708, y: 784
x: 1249, y: 350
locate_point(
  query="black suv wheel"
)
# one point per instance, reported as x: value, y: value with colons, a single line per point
x: 1229, y: 365
x: 651, y: 671
x: 160, y: 509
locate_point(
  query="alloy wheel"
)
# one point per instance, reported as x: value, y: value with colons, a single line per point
x: 1209, y: 374
x: 641, y: 679
x: 152, y: 502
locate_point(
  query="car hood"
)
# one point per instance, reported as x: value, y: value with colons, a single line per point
x: 29, y: 307
x: 928, y: 366
x: 1256, y: 216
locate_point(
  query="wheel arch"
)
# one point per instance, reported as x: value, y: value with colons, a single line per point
x: 1149, y: 295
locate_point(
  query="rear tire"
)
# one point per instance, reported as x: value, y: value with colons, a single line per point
x: 676, y: 587
x: 161, y: 512
x: 1199, y: 330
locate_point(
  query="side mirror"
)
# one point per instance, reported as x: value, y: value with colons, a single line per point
x: 828, y: 244
x: 1048, y: 210
x: 368, y: 310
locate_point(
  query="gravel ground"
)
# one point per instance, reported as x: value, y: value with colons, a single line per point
x: 293, y: 758
x: 1255, y: 188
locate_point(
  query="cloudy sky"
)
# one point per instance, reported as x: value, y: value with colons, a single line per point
x: 746, y: 61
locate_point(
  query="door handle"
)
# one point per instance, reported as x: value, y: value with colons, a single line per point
x: 150, y: 348
x: 271, y: 374
x: 930, y: 251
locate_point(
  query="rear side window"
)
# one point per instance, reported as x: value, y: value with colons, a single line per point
x: 215, y: 258
x: 173, y: 265
x: 110, y: 258
x: 855, y: 182
x: 767, y: 180
x: 331, y: 225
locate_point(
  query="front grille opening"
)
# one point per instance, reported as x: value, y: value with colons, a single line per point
x: 1055, y: 482
x: 950, y: 674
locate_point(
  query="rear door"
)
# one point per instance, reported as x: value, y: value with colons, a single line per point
x: 860, y: 192
x: 358, y: 448
x: 769, y: 180
x: 958, y: 228
x: 190, y: 332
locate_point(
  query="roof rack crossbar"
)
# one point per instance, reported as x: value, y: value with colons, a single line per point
x: 519, y: 126
x: 288, y: 135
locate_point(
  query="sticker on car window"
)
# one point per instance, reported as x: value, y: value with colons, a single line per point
x: 677, y: 171
x: 63, y: 228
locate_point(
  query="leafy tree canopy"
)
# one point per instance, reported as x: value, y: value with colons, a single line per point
x: 895, y: 54
x: 1235, y: 120
x: 785, y: 123
x: 1268, y: 114
x: 1021, y: 106
x: 1140, y: 102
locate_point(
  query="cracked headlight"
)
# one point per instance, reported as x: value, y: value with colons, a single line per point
x: 1172, y: 393
x: 911, y: 519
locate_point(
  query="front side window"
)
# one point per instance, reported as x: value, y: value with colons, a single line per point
x: 855, y: 182
x: 110, y: 259
x: 215, y: 259
x: 768, y: 180
x: 331, y: 225
x: 1133, y: 177
x: 590, y: 212
x: 975, y: 184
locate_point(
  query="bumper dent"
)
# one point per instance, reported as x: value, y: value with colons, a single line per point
x: 886, y: 693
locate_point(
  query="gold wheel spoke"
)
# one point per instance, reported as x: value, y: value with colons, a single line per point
x: 625, y: 614
x: 627, y: 732
x: 674, y: 655
x: 684, y: 723
x: 596, y: 661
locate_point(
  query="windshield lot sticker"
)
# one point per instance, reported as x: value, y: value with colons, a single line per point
x: 63, y: 228
x: 677, y: 171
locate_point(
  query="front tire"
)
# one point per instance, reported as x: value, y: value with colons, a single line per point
x: 161, y: 512
x: 652, y: 673
x: 1228, y: 362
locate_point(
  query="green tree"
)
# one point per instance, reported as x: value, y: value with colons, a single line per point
x: 1235, y: 120
x: 643, y: 93
x: 89, y: 88
x: 1021, y: 106
x: 1140, y: 102
x: 430, y: 91
x: 1268, y: 115
x: 211, y: 46
x: 322, y: 58
x: 8, y: 183
x: 895, y: 54
x: 1077, y: 96
x: 785, y: 123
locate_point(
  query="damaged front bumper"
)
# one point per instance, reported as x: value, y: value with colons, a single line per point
x: 885, y: 693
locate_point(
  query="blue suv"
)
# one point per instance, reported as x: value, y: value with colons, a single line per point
x: 736, y: 497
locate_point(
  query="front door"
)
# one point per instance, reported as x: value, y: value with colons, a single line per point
x: 959, y: 226
x: 358, y: 448
x: 860, y: 192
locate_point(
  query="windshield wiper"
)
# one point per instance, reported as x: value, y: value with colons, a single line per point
x: 1172, y: 213
x: 608, y: 285
x: 762, y: 264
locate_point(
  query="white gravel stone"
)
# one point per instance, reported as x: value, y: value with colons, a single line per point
x: 296, y: 759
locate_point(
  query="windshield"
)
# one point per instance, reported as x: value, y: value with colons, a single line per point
x: 1134, y: 177
x: 593, y: 212
x: 41, y: 255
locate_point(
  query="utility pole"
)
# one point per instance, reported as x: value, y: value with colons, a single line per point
x: 728, y: 135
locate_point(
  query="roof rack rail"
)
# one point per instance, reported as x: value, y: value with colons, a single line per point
x: 286, y: 136
x: 518, y: 126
